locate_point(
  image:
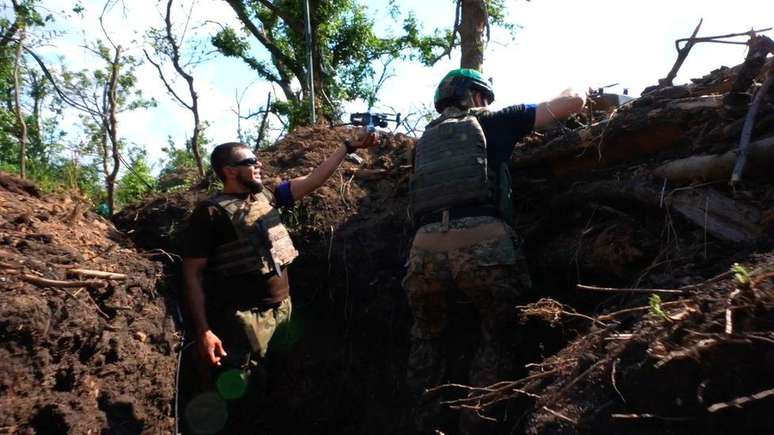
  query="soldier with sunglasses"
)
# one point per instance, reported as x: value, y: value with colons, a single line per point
x: 235, y: 260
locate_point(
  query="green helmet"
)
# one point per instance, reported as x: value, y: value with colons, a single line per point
x: 455, y: 87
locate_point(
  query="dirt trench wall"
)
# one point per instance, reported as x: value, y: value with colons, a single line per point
x: 91, y: 358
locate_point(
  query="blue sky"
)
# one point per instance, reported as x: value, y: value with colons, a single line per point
x: 561, y: 43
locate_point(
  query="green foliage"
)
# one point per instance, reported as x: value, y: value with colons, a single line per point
x: 741, y: 275
x: 136, y: 182
x: 298, y: 217
x: 62, y: 175
x: 346, y: 47
x: 179, y: 165
x: 655, y: 307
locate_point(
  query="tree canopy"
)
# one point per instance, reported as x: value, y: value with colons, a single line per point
x: 61, y: 119
x: 345, y: 48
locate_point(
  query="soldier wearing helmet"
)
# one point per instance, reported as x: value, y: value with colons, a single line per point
x: 465, y: 249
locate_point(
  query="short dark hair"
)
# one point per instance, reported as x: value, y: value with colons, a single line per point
x: 222, y: 155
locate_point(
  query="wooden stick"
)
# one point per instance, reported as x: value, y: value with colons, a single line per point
x: 730, y: 35
x: 739, y: 401
x: 99, y: 274
x: 263, y: 124
x: 560, y: 416
x: 649, y: 417
x: 634, y: 310
x: 43, y: 282
x: 749, y: 122
x: 628, y: 290
x: 9, y: 266
x: 729, y: 329
x: 682, y: 54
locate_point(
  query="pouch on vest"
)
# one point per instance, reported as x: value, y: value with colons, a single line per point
x: 263, y: 244
x: 450, y: 165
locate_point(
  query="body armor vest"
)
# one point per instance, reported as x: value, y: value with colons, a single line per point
x: 450, y: 165
x: 263, y: 244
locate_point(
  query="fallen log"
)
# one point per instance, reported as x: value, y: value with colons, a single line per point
x: 720, y: 166
x: 722, y: 217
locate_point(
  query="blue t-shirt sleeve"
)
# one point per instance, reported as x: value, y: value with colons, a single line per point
x: 283, y: 195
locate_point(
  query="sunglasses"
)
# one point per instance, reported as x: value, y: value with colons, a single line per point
x: 250, y: 161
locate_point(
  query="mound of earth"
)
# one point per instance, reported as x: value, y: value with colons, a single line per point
x: 86, y: 342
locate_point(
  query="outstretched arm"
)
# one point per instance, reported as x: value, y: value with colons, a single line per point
x: 301, y: 186
x: 559, y: 108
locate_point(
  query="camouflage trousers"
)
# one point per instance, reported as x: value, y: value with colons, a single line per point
x: 230, y: 398
x: 491, y: 275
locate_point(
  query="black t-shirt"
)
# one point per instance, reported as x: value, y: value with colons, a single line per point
x: 505, y: 127
x: 208, y: 227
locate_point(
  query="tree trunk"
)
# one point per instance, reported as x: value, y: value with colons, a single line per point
x: 474, y: 22
x: 112, y: 107
x: 194, y: 107
x: 37, y: 83
x: 22, y: 125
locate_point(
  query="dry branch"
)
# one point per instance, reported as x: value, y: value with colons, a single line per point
x: 99, y: 274
x: 629, y: 290
x: 682, y: 54
x: 738, y: 402
x: 648, y: 417
x: 560, y: 416
x: 43, y: 282
x: 614, y: 314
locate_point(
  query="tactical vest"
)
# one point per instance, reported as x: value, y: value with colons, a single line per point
x: 450, y: 165
x: 263, y: 244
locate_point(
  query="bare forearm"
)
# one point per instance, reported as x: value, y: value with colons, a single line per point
x: 558, y: 109
x: 321, y: 173
x: 195, y: 300
x: 302, y: 186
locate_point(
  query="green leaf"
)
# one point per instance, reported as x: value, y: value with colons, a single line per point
x: 655, y: 307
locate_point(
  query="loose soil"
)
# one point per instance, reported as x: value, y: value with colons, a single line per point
x: 83, y: 359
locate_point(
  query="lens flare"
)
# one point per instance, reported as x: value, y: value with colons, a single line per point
x: 206, y: 413
x: 232, y: 384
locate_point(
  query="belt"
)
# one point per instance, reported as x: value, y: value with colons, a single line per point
x: 456, y: 213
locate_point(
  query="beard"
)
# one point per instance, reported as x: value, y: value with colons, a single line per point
x: 252, y: 185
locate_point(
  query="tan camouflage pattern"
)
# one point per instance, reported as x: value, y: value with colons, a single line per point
x: 239, y: 256
x: 492, y: 274
x: 245, y: 335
